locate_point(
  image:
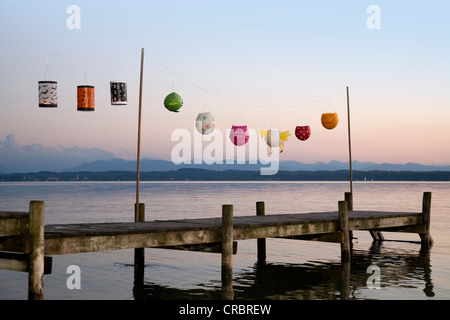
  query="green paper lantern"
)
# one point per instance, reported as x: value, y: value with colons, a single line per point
x: 173, y: 102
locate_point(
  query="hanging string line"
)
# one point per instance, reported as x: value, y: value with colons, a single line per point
x: 193, y: 83
x: 236, y: 101
x: 87, y: 59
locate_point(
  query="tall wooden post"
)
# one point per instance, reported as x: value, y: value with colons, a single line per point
x: 344, y: 231
x: 139, y: 136
x: 227, y: 252
x: 261, y: 243
x: 349, y: 143
x: 36, y: 255
x: 426, y: 239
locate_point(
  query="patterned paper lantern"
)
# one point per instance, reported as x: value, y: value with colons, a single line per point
x: 47, y: 94
x: 118, y: 92
x: 173, y: 102
x: 302, y: 132
x: 205, y: 122
x: 86, y: 98
x: 330, y: 120
x: 239, y: 135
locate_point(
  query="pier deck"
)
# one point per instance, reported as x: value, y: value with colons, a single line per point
x: 90, y: 237
x: 25, y: 234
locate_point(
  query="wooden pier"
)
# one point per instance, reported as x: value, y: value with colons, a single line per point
x: 26, y: 244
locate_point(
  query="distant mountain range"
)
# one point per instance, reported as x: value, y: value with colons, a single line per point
x: 162, y: 165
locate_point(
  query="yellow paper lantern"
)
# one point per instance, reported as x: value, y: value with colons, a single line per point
x: 330, y: 120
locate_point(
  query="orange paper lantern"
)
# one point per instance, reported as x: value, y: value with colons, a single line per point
x: 86, y: 98
x: 330, y: 120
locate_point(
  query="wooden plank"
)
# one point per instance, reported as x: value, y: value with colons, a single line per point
x: 13, y: 223
x: 214, y: 247
x: 19, y: 262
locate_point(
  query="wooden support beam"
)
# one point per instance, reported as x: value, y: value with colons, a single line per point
x: 15, y: 261
x: 261, y: 242
x: 344, y: 231
x: 36, y: 256
x: 213, y: 247
x: 227, y: 252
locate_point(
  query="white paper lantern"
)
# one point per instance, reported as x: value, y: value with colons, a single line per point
x: 205, y: 123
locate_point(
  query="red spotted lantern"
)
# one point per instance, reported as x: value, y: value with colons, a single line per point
x: 239, y: 135
x: 303, y: 132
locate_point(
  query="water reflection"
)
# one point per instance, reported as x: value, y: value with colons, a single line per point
x: 329, y: 280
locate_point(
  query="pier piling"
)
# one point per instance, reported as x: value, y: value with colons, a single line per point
x: 425, y: 236
x: 261, y: 242
x: 36, y: 255
x: 344, y: 231
x: 227, y: 252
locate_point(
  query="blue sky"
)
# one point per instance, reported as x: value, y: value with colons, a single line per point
x: 234, y: 56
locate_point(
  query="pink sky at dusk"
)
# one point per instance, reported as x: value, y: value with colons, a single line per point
x: 234, y: 57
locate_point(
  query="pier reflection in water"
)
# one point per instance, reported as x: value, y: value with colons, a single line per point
x: 399, y: 269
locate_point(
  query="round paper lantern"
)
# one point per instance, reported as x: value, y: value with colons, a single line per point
x: 118, y: 93
x: 173, y: 102
x: 330, y: 120
x: 239, y: 135
x: 86, y: 98
x: 47, y: 94
x: 205, y: 122
x: 302, y: 132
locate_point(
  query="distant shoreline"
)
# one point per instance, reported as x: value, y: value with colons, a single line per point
x: 229, y: 175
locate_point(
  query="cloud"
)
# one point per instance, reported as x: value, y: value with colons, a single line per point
x: 15, y: 157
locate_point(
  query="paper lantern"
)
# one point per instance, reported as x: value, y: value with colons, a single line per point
x: 302, y: 132
x: 205, y: 122
x: 86, y: 98
x: 173, y: 102
x: 118, y: 93
x: 47, y: 94
x: 330, y: 120
x: 275, y: 138
x: 239, y: 135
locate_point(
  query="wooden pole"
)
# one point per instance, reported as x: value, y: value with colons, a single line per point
x: 227, y: 252
x: 426, y: 239
x: 136, y: 218
x: 36, y: 255
x: 344, y: 231
x: 349, y: 143
x: 261, y: 242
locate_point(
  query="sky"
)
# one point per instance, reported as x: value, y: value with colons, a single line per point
x: 265, y: 64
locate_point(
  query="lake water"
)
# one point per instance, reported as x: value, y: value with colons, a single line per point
x: 293, y: 269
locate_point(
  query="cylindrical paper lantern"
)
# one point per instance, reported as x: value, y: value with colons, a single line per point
x: 173, y: 102
x: 118, y: 93
x: 302, y: 132
x: 330, y: 120
x: 47, y: 94
x: 205, y: 123
x: 239, y: 135
x: 86, y: 98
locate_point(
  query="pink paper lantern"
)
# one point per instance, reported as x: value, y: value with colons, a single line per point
x: 239, y: 135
